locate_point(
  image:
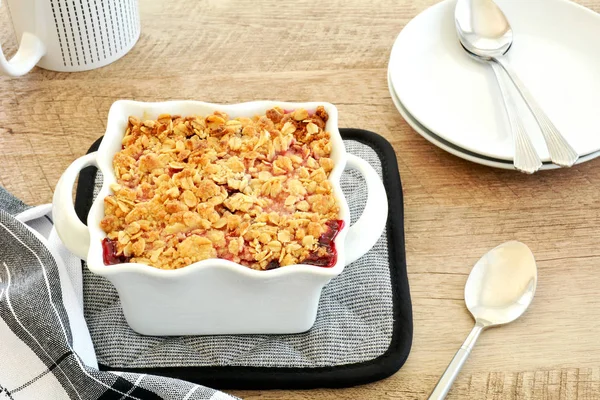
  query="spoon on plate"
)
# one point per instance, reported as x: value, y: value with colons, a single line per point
x: 526, y: 159
x: 484, y: 31
x: 499, y: 289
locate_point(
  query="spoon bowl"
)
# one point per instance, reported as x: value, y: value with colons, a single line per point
x: 482, y: 28
x: 499, y: 289
x: 501, y: 284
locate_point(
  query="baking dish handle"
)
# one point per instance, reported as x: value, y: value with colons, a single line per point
x: 365, y: 232
x: 73, y: 233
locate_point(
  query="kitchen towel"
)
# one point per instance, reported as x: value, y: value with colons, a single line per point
x: 46, y: 351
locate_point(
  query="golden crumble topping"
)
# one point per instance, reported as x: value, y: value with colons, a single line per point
x: 251, y: 190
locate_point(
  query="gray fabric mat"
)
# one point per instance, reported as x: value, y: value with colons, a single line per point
x: 354, y: 320
x: 10, y: 203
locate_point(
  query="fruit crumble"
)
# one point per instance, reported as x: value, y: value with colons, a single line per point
x: 251, y: 190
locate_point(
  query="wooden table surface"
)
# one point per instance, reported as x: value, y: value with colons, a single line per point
x: 337, y: 51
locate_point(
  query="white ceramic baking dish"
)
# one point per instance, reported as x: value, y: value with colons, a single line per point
x: 215, y: 296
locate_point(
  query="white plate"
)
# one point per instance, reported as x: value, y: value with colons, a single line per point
x: 555, y: 52
x: 457, y: 151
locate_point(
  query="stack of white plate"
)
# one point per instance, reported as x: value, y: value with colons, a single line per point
x: 454, y: 102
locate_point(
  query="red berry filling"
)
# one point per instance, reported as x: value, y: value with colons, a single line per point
x: 326, y: 259
x: 109, y: 253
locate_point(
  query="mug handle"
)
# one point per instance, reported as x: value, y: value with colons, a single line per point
x: 31, y: 50
x: 365, y: 232
x: 73, y: 233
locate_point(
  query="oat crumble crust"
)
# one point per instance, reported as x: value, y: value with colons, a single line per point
x: 251, y: 190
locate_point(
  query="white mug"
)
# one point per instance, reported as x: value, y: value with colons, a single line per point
x: 71, y: 35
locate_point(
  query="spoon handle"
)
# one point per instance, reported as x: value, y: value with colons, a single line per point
x: 445, y: 383
x: 526, y: 159
x: 561, y: 152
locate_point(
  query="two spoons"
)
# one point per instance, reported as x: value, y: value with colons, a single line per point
x: 502, y: 283
x: 499, y: 289
x: 486, y: 35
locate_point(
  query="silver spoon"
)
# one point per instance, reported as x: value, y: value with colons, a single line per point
x: 499, y: 289
x: 484, y: 31
x: 526, y: 158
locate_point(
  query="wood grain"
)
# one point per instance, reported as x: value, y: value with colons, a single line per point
x: 337, y: 51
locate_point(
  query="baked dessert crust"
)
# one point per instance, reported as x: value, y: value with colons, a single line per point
x: 251, y: 190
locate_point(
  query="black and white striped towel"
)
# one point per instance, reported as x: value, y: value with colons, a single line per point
x: 45, y: 347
